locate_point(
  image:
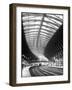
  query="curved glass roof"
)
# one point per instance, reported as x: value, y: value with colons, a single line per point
x: 39, y: 29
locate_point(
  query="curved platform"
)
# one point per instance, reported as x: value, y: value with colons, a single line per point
x: 45, y: 71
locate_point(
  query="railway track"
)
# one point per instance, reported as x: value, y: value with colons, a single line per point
x: 45, y: 71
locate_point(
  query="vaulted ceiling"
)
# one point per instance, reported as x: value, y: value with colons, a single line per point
x: 39, y: 29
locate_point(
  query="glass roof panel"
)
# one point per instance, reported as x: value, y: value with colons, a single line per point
x: 49, y: 24
x: 31, y: 27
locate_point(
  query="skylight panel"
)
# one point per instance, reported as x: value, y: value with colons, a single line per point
x: 49, y: 24
x: 31, y: 27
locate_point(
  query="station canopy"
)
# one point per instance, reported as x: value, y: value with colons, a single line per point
x: 39, y: 28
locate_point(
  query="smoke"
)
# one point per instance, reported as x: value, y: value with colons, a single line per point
x: 39, y: 54
x: 42, y: 58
